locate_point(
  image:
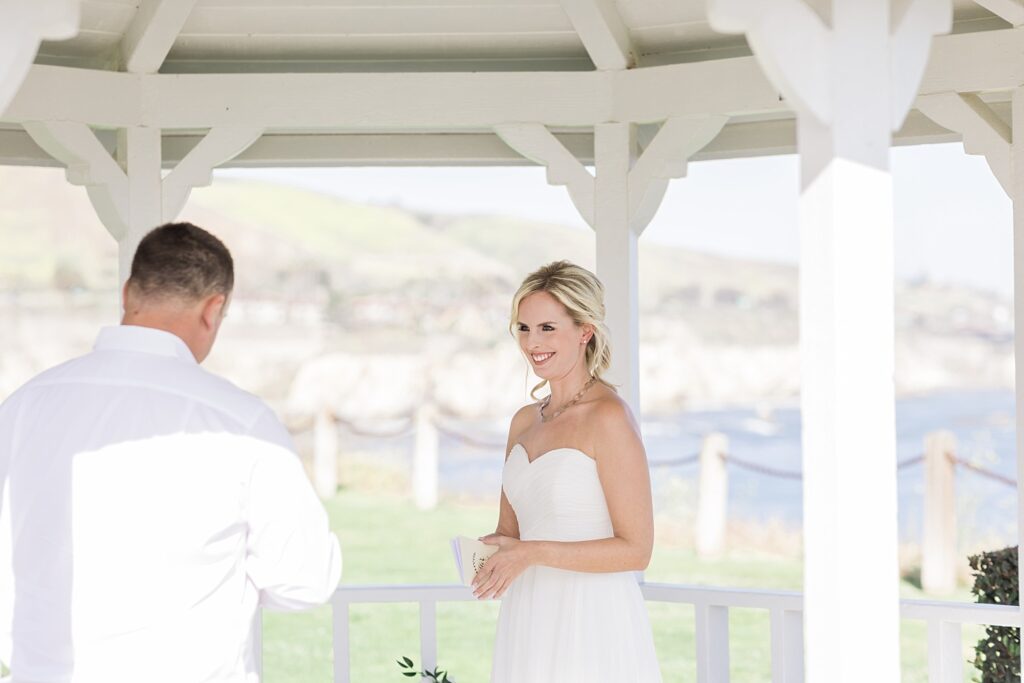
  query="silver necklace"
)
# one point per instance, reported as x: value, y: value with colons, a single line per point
x: 568, y: 404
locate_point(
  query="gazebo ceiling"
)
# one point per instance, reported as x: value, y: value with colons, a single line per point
x: 421, y: 81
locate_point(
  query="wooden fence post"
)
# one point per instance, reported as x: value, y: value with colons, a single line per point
x: 425, y: 461
x: 325, y: 453
x: 938, y: 549
x: 712, y: 496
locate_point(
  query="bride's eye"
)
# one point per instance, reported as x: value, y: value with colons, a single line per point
x: 547, y: 328
x: 523, y: 328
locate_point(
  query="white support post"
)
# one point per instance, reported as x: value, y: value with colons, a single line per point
x: 138, y: 152
x: 938, y: 548
x: 23, y: 26
x: 1017, y: 196
x: 986, y: 134
x: 129, y: 194
x: 617, y: 253
x: 618, y: 202
x: 851, y: 82
x: 712, y: 496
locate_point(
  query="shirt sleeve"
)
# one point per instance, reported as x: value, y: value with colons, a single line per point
x: 7, y: 421
x: 292, y: 556
x: 269, y: 428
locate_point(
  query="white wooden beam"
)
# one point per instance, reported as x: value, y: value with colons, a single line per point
x: 742, y: 139
x: 984, y: 132
x: 152, y: 33
x: 466, y: 102
x: 604, y: 35
x: 1012, y: 11
x: 23, y: 25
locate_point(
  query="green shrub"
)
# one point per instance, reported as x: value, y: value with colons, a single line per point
x: 997, y: 655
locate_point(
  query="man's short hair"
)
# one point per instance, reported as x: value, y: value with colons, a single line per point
x: 181, y: 261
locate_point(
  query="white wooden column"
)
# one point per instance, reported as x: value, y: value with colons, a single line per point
x: 23, y: 25
x: 1002, y: 146
x: 851, y: 80
x: 618, y: 201
x: 130, y: 193
x: 1017, y: 195
x: 617, y: 248
x: 139, y: 155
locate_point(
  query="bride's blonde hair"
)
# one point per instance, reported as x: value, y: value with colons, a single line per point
x: 582, y: 295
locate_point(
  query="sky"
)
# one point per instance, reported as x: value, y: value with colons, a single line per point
x: 953, y: 220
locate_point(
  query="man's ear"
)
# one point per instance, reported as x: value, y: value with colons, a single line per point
x: 211, y: 310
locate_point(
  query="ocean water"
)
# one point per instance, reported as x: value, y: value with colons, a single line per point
x: 982, y: 421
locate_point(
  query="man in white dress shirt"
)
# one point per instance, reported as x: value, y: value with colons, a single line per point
x: 149, y: 508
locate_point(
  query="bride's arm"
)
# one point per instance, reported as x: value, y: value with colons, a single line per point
x: 622, y: 468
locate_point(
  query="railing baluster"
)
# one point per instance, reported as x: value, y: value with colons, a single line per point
x: 787, y: 634
x: 428, y: 634
x: 945, y: 652
x: 339, y: 615
x: 712, y: 643
x: 257, y: 642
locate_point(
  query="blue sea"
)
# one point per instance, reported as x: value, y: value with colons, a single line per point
x: 982, y: 421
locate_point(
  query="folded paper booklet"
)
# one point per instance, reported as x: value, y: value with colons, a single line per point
x: 470, y: 555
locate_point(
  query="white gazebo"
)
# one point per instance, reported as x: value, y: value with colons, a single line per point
x: 141, y: 99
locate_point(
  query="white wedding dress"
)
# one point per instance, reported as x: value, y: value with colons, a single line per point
x: 558, y: 626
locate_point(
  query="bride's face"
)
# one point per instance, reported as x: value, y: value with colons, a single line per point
x: 552, y: 342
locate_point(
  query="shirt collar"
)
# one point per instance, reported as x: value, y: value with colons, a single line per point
x: 143, y: 340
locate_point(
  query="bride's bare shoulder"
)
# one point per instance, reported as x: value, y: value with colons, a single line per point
x: 522, y: 420
x: 611, y: 413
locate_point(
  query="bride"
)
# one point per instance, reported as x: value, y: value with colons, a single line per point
x: 576, y: 513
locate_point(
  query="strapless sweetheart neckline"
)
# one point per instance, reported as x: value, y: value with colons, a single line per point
x: 530, y: 461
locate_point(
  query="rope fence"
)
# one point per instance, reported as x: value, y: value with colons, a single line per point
x: 713, y: 462
x: 988, y: 474
x: 408, y: 428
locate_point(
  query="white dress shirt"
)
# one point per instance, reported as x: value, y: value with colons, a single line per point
x: 149, y: 507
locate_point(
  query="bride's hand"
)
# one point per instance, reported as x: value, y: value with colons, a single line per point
x: 501, y: 568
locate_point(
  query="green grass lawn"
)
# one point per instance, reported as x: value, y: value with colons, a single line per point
x: 388, y: 541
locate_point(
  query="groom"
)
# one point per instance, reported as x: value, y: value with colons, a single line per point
x: 149, y: 507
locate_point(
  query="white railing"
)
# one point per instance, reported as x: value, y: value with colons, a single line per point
x: 945, y: 631
x: 711, y: 612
